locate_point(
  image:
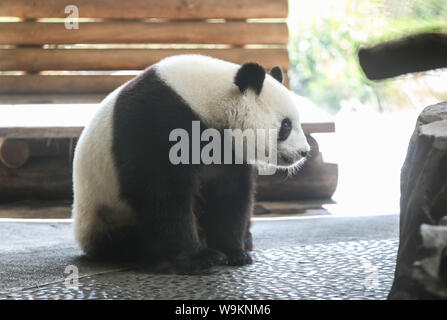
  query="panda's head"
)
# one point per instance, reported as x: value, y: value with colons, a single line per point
x: 263, y: 102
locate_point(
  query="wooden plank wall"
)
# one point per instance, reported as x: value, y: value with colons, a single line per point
x: 130, y: 35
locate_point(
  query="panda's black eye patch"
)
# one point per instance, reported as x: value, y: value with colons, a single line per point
x: 286, y: 128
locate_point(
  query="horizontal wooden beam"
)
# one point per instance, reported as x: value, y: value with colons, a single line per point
x: 40, y: 132
x: 45, y: 84
x: 35, y: 59
x: 49, y: 98
x: 61, y: 84
x: 234, y: 33
x: 140, y: 9
x: 318, y: 127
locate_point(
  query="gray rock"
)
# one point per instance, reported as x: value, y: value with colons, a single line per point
x: 423, y: 200
x: 430, y: 272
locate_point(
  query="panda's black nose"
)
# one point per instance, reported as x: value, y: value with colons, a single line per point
x: 304, y: 153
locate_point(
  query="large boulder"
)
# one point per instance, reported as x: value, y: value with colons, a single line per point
x: 423, y: 201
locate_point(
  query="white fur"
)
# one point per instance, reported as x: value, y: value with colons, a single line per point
x: 207, y: 85
x: 95, y: 181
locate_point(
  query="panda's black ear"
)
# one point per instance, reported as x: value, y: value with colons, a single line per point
x: 250, y: 76
x: 276, y: 73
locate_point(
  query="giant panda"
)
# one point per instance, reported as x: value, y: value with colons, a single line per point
x: 131, y: 202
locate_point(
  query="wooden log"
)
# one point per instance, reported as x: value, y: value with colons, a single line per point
x: 50, y: 178
x: 31, y: 59
x: 47, y: 178
x: 61, y: 84
x: 142, y: 9
x: 317, y: 181
x: 33, y: 131
x: 414, y: 53
x: 48, y: 147
x: 52, y: 209
x: 13, y: 153
x: 234, y: 33
x: 423, y: 193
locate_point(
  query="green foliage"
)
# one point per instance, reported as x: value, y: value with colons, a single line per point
x: 325, y: 37
x: 323, y: 63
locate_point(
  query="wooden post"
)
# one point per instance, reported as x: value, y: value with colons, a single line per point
x: 13, y: 153
x: 314, y: 149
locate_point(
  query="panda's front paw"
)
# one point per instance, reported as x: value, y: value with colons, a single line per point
x: 238, y: 257
x: 208, y: 258
x: 248, y: 243
x: 200, y: 261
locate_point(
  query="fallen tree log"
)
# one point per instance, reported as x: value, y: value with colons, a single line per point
x: 13, y: 153
x: 39, y: 178
x: 416, y: 53
x: 315, y: 180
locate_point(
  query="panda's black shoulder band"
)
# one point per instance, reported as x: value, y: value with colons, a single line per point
x: 250, y: 76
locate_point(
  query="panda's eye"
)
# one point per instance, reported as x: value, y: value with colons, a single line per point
x: 286, y: 127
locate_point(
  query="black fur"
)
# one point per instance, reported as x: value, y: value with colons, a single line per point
x: 224, y: 210
x: 182, y: 218
x: 250, y: 76
x: 276, y: 73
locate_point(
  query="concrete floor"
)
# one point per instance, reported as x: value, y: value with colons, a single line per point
x: 296, y: 257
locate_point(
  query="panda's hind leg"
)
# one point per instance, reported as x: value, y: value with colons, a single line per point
x: 120, y: 244
x: 109, y: 238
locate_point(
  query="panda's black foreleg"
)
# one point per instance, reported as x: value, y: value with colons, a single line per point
x: 168, y: 229
x: 225, y: 213
x: 248, y: 239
